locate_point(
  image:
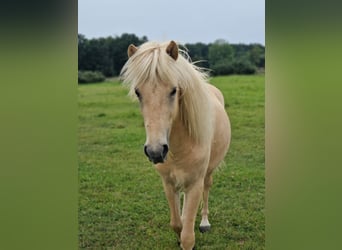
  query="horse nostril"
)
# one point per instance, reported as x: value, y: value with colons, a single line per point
x: 165, y: 149
x: 145, y: 150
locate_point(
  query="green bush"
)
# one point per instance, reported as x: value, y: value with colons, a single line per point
x: 244, y: 67
x: 239, y: 67
x: 90, y: 77
x: 222, y: 68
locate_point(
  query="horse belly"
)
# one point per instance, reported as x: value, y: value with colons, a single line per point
x: 221, y: 139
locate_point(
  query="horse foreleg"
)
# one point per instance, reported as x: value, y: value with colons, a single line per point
x: 190, y: 207
x: 205, y: 225
x: 174, y: 203
x: 183, y: 206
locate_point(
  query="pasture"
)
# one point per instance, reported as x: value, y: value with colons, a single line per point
x: 121, y: 200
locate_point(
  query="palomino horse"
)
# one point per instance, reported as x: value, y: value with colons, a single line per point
x: 187, y: 128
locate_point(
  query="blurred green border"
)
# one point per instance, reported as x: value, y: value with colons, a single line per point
x: 38, y: 126
x: 303, y: 125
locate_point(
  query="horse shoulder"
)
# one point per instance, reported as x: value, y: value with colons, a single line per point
x: 216, y: 92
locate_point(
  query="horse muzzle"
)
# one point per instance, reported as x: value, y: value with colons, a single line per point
x: 158, y: 154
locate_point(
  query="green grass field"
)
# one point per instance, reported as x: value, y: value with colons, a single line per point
x: 121, y: 199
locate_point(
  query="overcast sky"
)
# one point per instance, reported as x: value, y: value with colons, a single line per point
x: 185, y: 21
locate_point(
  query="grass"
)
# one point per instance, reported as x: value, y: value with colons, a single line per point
x: 121, y: 199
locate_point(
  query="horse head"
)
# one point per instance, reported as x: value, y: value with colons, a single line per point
x: 159, y: 103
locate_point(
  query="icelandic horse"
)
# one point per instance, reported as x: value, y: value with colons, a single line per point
x: 187, y: 128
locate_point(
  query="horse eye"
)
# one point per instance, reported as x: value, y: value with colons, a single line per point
x: 137, y: 93
x: 173, y: 92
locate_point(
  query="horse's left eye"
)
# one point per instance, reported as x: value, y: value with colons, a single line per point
x: 173, y: 92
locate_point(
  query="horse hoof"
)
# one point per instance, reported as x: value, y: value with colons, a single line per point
x: 204, y: 229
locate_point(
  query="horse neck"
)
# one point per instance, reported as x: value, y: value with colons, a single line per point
x: 179, y: 134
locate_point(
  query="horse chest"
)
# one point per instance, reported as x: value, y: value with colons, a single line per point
x: 178, y: 178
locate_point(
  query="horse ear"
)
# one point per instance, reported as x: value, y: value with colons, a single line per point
x: 131, y: 50
x: 172, y: 50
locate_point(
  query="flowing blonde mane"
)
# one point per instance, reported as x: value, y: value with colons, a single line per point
x: 152, y: 65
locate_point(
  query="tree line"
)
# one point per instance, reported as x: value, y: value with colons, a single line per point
x: 104, y: 57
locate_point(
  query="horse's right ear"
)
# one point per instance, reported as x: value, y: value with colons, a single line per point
x: 131, y: 50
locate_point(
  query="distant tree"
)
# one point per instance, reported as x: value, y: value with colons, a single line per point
x: 119, y: 47
x: 199, y: 54
x: 220, y: 52
x: 240, y: 50
x: 257, y: 55
x: 106, y: 55
x: 220, y: 56
x: 82, y: 47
